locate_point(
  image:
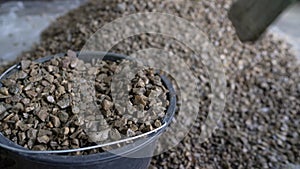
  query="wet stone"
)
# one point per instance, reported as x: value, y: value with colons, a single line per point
x: 63, y: 116
x: 99, y: 136
x: 19, y: 107
x: 54, y: 144
x: 14, y: 89
x: 2, y: 108
x: 42, y: 114
x: 43, y: 132
x: 66, y: 130
x: 21, y: 138
x: 114, y: 134
x: 64, y: 103
x: 39, y: 148
x: 140, y: 99
x: 22, y: 75
x: 130, y: 133
x: 25, y: 64
x: 43, y: 139
x: 157, y: 123
x: 75, y: 110
x: 4, y: 91
x: 107, y: 104
x: 50, y: 99
x: 3, y: 96
x: 31, y: 94
x: 32, y: 133
x: 8, y: 82
x: 55, y: 121
x: 75, y: 142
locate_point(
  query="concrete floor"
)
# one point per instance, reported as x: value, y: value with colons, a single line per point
x: 21, y: 23
x: 288, y: 27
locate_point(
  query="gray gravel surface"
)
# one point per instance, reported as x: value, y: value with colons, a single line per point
x: 259, y: 128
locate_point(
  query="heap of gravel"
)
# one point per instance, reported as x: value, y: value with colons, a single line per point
x: 259, y: 128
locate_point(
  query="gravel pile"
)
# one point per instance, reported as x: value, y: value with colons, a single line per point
x: 51, y: 105
x: 259, y: 128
